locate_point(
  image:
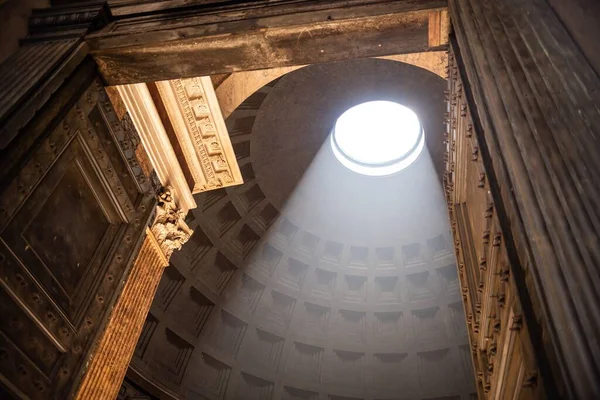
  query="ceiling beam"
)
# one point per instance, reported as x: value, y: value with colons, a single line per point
x: 173, y: 46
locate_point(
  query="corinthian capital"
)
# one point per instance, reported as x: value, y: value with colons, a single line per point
x: 169, y: 227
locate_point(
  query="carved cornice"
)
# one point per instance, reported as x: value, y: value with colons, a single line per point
x: 194, y: 112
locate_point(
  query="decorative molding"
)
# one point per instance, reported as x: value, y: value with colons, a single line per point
x: 87, y: 139
x: 200, y: 133
x: 67, y: 20
x: 196, y: 117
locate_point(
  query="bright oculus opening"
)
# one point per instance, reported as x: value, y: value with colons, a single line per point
x: 377, y: 138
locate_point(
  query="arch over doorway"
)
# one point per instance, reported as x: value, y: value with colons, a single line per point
x: 238, y: 86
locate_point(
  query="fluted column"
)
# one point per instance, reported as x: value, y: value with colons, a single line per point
x: 116, y: 345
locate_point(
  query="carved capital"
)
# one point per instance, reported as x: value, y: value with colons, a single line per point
x: 169, y: 227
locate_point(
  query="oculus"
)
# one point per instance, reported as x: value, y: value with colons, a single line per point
x: 377, y: 138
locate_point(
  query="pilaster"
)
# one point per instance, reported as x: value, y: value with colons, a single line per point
x: 115, y: 348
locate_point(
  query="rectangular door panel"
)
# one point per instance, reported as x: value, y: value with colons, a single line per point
x: 64, y: 229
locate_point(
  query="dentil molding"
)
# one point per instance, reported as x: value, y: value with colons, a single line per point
x: 196, y: 118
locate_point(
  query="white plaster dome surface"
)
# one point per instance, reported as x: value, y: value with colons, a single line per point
x: 311, y: 281
x: 377, y: 138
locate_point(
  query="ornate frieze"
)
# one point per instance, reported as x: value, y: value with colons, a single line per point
x: 196, y: 117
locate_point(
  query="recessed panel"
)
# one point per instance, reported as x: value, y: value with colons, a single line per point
x: 67, y: 229
x: 64, y: 230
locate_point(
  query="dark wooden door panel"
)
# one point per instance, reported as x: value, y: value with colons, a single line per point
x: 65, y: 228
x: 73, y: 216
x: 23, y: 334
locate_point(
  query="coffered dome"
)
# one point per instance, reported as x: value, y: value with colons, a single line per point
x: 310, y: 281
